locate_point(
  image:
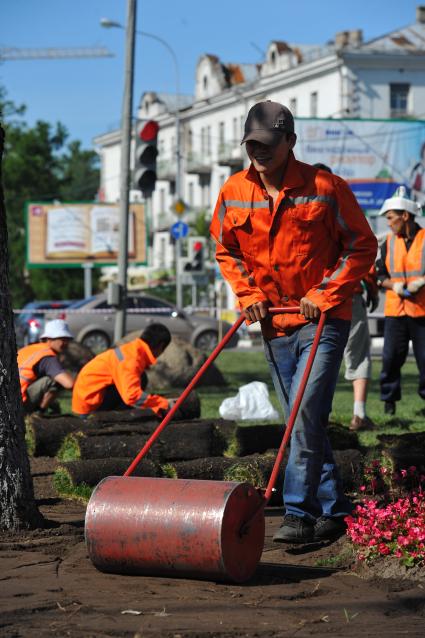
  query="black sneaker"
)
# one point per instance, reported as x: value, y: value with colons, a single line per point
x: 327, y: 528
x: 294, y: 530
x: 389, y: 407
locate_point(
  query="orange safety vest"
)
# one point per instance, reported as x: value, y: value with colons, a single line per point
x: 315, y: 242
x: 121, y: 366
x: 405, y: 266
x: 28, y: 357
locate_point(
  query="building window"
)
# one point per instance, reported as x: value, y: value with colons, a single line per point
x: 205, y: 191
x: 399, y: 97
x: 205, y: 83
x: 203, y: 144
x: 235, y: 129
x: 190, y: 194
x: 162, y: 200
x: 189, y: 140
x: 162, y: 252
x: 273, y: 58
x: 313, y: 104
x: 221, y: 134
x: 208, y: 147
x: 293, y: 106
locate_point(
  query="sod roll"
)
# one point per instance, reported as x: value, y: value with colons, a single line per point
x: 181, y: 441
x: 45, y: 434
x: 78, y: 478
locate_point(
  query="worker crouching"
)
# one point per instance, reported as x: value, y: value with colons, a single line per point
x: 41, y: 375
x: 116, y: 379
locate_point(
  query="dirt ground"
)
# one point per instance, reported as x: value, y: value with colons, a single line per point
x: 50, y: 588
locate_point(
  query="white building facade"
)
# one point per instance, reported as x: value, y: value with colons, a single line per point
x: 347, y: 78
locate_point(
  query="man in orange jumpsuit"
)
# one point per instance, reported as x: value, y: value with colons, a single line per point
x: 115, y: 379
x: 401, y: 273
x: 41, y: 374
x: 289, y: 234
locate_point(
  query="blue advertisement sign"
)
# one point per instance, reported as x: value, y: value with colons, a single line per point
x: 373, y: 156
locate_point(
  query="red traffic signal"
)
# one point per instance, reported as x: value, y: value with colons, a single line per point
x: 149, y: 131
x: 196, y: 251
x: 145, y: 154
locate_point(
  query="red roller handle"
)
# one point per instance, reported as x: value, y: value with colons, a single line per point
x: 219, y: 347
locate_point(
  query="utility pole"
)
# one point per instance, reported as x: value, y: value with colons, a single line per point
x: 126, y: 126
x: 179, y: 295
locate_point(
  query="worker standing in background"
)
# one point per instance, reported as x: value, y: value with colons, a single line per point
x: 288, y: 234
x: 401, y: 274
x: 41, y: 374
x: 116, y: 379
x: 357, y: 359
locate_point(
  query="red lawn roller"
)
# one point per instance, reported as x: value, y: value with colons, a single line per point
x: 184, y: 528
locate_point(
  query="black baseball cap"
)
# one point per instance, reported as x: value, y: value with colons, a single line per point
x: 267, y: 122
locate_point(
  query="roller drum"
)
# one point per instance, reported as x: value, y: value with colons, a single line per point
x: 175, y: 527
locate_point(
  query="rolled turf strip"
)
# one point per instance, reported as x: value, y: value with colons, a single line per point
x: 77, y: 478
x: 255, y: 439
x: 181, y: 441
x: 45, y: 435
x: 255, y: 469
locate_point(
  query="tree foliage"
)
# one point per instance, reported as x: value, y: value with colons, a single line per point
x: 41, y: 165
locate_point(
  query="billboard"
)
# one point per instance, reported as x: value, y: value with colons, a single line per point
x: 373, y: 156
x: 71, y: 234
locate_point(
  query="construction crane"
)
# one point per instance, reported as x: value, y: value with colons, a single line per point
x: 13, y: 53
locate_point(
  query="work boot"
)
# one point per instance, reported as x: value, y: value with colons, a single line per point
x: 389, y: 407
x: 357, y: 423
x: 294, y: 530
x: 327, y: 528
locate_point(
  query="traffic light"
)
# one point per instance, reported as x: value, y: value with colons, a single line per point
x: 196, y: 255
x: 145, y: 154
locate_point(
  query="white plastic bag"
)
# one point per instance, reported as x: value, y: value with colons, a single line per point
x: 251, y: 402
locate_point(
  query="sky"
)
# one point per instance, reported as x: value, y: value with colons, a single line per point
x: 86, y: 94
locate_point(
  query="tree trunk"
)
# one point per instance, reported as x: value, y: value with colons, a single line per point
x: 18, y: 509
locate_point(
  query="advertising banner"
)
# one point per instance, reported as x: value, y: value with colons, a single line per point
x: 69, y: 234
x: 373, y: 156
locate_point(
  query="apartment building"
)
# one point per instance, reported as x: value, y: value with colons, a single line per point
x: 346, y: 78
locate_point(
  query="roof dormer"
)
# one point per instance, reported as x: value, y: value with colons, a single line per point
x: 280, y: 56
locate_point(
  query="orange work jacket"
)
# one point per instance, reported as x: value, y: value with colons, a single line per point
x: 121, y: 366
x: 314, y: 242
x: 405, y: 265
x: 28, y: 357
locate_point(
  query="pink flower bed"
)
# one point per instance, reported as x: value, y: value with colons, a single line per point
x: 391, y: 519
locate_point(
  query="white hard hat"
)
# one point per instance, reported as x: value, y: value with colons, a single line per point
x: 400, y: 201
x: 56, y: 329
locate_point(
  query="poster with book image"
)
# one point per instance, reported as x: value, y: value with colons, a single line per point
x: 77, y: 233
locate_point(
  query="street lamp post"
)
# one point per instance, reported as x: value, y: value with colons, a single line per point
x: 126, y: 126
x: 105, y: 22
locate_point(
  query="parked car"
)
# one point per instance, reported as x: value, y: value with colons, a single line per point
x: 92, y: 322
x: 29, y: 323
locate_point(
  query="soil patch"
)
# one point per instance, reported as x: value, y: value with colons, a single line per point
x: 50, y: 588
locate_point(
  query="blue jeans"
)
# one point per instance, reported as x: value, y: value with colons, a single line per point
x: 312, y: 485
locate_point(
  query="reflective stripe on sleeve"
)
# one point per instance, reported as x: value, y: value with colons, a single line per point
x: 142, y: 399
x: 118, y: 353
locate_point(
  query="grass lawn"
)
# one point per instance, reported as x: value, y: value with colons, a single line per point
x: 244, y: 366
x: 241, y: 367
